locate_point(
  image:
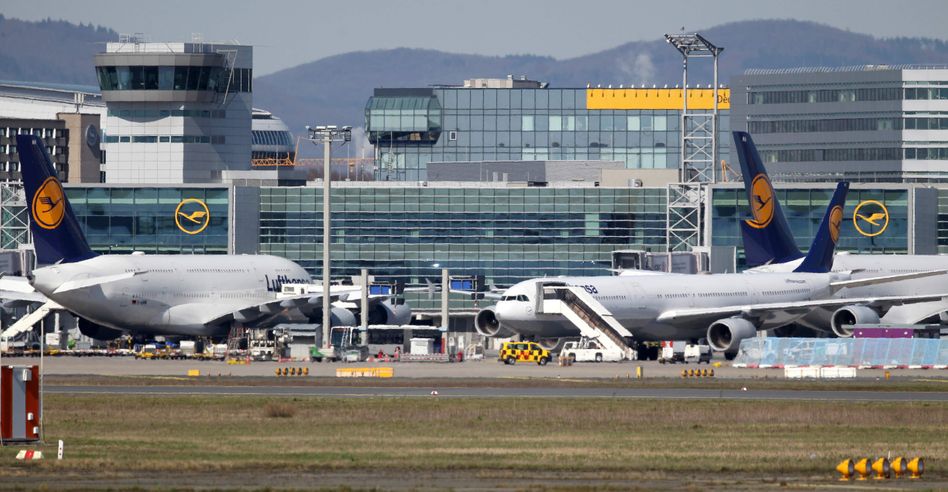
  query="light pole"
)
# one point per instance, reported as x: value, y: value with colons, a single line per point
x: 327, y: 135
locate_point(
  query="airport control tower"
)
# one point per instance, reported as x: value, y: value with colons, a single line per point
x: 177, y: 112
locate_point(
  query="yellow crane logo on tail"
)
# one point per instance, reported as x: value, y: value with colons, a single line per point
x: 873, y: 220
x: 835, y: 223
x: 192, y: 216
x: 762, y: 202
x: 48, y: 205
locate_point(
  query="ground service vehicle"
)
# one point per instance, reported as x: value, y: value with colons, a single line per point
x: 698, y: 353
x: 672, y: 352
x: 588, y: 350
x: 513, y: 352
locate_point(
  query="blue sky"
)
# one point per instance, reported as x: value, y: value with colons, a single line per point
x: 288, y: 33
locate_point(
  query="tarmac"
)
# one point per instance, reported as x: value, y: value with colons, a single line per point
x: 486, y: 368
x: 495, y: 392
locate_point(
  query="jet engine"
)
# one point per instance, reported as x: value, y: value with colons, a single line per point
x: 487, y: 324
x: 387, y: 313
x: 851, y: 315
x: 725, y: 335
x: 96, y: 331
x: 337, y: 317
x: 554, y: 344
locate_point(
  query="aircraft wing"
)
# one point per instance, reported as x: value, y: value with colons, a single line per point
x: 799, y: 308
x: 256, y: 312
x: 861, y: 282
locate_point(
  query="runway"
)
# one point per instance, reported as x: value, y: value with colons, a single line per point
x: 487, y: 392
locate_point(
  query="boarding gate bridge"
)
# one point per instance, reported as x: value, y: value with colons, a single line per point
x: 586, y: 313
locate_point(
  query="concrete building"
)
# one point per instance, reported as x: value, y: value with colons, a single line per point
x: 865, y: 123
x: 524, y: 120
x: 177, y: 112
x: 67, y: 117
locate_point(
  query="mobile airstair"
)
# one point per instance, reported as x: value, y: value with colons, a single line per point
x: 26, y: 323
x: 583, y: 310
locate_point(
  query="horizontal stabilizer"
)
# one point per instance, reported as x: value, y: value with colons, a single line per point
x: 93, y: 281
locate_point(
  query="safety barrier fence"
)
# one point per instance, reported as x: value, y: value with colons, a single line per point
x: 922, y: 353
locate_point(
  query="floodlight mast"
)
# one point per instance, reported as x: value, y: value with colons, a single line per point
x: 326, y: 135
x: 699, y: 154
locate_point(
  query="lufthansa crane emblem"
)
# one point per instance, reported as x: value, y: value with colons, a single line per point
x: 192, y: 216
x: 835, y: 223
x: 871, y: 218
x: 48, y: 206
x: 762, y: 202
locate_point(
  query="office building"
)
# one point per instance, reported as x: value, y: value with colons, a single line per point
x: 866, y: 123
x: 523, y: 120
x: 67, y: 117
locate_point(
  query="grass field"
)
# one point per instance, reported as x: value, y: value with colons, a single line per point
x: 227, y: 442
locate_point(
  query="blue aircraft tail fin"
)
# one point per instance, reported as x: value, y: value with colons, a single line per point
x: 767, y: 237
x: 820, y: 257
x: 57, y: 237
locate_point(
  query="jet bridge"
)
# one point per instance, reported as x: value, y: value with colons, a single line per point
x: 583, y: 310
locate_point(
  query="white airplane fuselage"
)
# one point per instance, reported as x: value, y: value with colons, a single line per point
x: 865, y: 266
x: 168, y: 294
x: 637, y: 301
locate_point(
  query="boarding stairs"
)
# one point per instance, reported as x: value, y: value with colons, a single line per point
x: 26, y: 323
x: 589, y: 315
x: 237, y: 336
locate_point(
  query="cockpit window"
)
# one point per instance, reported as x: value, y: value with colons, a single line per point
x: 522, y: 298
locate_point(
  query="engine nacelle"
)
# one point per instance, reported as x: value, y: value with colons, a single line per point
x: 386, y: 313
x: 851, y: 315
x: 97, y: 331
x: 337, y: 317
x: 725, y: 335
x: 554, y: 344
x: 487, y: 324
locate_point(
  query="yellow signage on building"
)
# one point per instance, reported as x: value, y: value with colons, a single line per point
x: 871, y: 218
x: 192, y: 216
x: 655, y: 99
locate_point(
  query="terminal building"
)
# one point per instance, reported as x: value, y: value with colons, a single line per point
x: 875, y: 123
x: 177, y: 112
x: 524, y: 120
x: 534, y: 181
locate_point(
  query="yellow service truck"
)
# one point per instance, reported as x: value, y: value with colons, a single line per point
x: 513, y: 352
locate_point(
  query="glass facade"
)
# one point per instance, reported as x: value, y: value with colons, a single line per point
x: 507, y: 234
x: 176, y: 78
x: 125, y: 219
x: 804, y: 209
x: 412, y: 127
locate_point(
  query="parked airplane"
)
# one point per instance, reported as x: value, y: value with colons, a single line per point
x: 723, y: 308
x: 193, y: 295
x: 769, y: 242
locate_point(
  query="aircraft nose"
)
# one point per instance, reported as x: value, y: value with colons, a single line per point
x: 504, y: 310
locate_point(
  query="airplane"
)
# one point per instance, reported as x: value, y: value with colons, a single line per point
x: 187, y: 295
x: 721, y: 308
x: 769, y: 246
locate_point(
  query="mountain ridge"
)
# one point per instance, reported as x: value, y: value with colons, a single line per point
x: 334, y: 89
